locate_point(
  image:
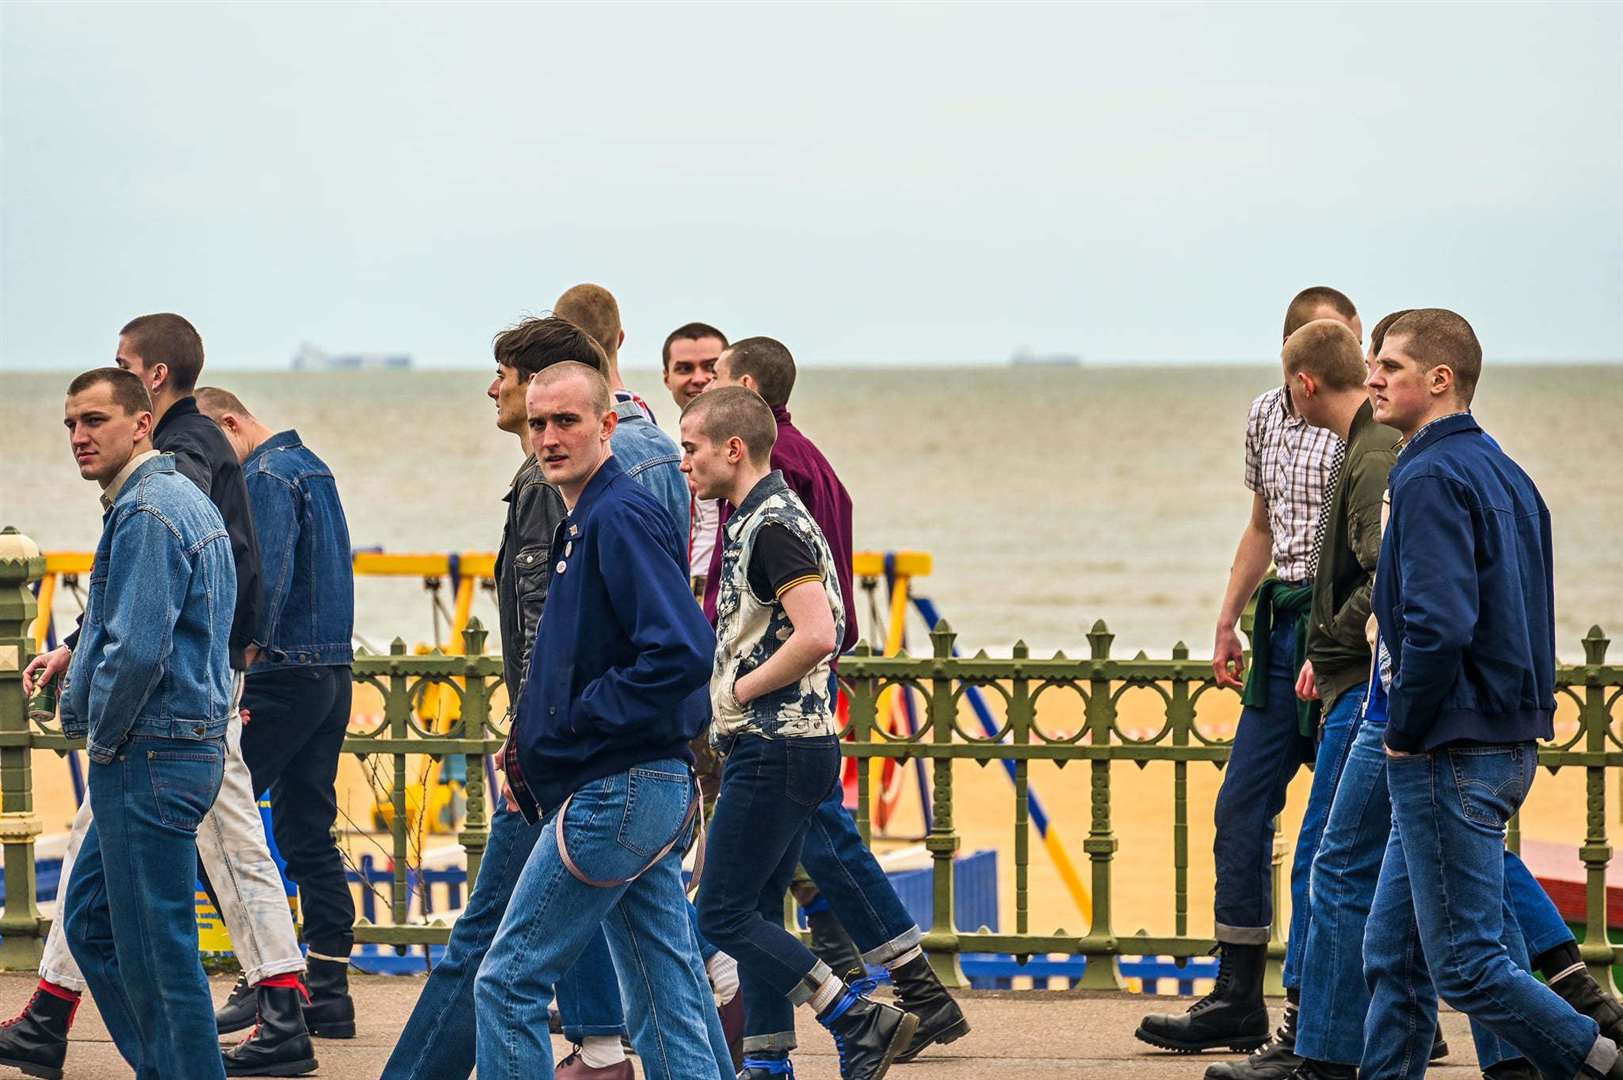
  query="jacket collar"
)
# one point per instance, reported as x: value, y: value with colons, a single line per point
x: 148, y: 461
x: 780, y: 413
x: 531, y: 464
x: 1363, y: 418
x: 770, y: 484
x: 1440, y: 428
x: 605, y: 475
x: 282, y: 440
x: 186, y: 406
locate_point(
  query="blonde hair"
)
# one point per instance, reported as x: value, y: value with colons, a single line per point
x: 1328, y: 351
x: 593, y: 309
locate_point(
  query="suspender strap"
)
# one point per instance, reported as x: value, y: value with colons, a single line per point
x: 695, y: 810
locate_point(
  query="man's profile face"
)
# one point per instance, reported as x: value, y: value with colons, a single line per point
x: 101, y: 433
x: 569, y: 436
x: 709, y: 471
x: 692, y: 367
x: 1399, y: 388
x: 507, y: 391
x: 131, y: 361
x: 724, y: 374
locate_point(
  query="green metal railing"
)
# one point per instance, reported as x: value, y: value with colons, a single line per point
x: 1021, y: 683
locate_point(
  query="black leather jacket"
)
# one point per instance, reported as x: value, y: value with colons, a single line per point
x: 523, y: 564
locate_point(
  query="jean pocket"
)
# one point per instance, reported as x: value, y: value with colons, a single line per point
x: 1491, y: 781
x: 656, y: 802
x: 811, y: 768
x: 184, y: 782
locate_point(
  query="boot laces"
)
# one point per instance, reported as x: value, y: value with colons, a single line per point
x: 1225, y: 976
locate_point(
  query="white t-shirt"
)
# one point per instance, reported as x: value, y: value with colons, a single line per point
x: 705, y: 521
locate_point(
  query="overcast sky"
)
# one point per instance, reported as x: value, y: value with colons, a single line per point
x: 872, y: 184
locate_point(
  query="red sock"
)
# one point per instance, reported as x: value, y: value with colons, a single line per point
x: 63, y: 993
x: 290, y: 979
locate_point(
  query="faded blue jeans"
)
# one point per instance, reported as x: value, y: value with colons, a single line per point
x: 130, y: 908
x: 1335, y: 738
x: 613, y: 827
x: 1441, y: 918
x: 437, y: 1042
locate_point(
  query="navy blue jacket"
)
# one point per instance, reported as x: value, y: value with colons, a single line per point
x: 620, y: 668
x: 1465, y: 594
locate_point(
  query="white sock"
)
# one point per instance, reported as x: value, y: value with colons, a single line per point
x: 826, y: 994
x: 906, y: 958
x: 601, y: 1051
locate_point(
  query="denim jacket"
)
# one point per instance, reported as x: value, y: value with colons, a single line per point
x: 307, y: 616
x: 154, y: 651
x: 652, y: 458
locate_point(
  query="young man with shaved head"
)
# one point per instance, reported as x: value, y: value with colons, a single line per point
x: 598, y: 756
x: 1288, y: 468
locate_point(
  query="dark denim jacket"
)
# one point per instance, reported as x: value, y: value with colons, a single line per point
x: 307, y: 617
x: 154, y: 650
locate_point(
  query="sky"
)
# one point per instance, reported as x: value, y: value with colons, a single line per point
x: 872, y: 184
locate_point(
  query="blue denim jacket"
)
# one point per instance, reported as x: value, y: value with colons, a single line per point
x: 307, y: 617
x: 154, y: 651
x: 652, y: 458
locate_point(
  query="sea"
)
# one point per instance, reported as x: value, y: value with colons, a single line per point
x: 1048, y: 497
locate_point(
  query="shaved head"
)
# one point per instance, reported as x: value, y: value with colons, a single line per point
x: 594, y: 385
x: 216, y: 402
x: 1327, y: 350
x: 593, y: 309
x: 735, y: 411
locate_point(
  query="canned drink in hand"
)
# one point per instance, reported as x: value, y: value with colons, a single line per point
x: 42, y: 706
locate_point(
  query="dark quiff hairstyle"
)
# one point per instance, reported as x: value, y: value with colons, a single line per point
x: 1378, y: 335
x: 1328, y: 351
x: 593, y: 309
x: 127, y: 388
x: 693, y: 331
x: 1435, y: 336
x: 766, y: 361
x: 537, y: 343
x: 736, y: 411
x: 167, y: 339
x: 1306, y: 304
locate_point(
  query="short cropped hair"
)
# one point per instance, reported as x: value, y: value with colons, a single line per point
x: 127, y: 388
x: 537, y: 343
x: 1378, y: 335
x: 766, y: 361
x: 1436, y: 336
x: 693, y: 331
x: 1328, y: 351
x: 1306, y: 304
x: 729, y: 411
x: 167, y: 339
x: 593, y: 309
x: 564, y: 370
x: 214, y: 401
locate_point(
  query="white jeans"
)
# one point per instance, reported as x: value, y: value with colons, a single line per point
x: 231, y: 844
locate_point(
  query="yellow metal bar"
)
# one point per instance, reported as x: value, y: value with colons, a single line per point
x: 1067, y: 872
x: 69, y: 562
x: 871, y: 564
x: 42, y: 622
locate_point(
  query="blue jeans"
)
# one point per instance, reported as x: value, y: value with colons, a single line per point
x: 438, y: 1040
x: 1539, y: 918
x: 1268, y: 749
x: 770, y: 791
x: 1441, y: 921
x: 613, y: 827
x: 850, y: 879
x: 130, y: 910
x: 1335, y: 738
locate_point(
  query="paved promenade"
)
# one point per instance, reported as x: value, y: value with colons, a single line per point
x: 1030, y: 1035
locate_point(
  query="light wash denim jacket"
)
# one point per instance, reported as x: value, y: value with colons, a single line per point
x: 307, y: 615
x: 154, y: 652
x: 652, y: 459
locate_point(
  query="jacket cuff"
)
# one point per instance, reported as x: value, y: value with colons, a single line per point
x: 100, y: 754
x: 1402, y: 741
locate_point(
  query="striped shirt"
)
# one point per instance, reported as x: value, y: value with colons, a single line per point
x: 1287, y: 462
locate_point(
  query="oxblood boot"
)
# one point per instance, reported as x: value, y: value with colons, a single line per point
x: 1275, y: 1060
x: 279, y: 1044
x: 329, y: 1013
x: 921, y: 993
x: 240, y: 1010
x: 1232, y: 1015
x: 867, y: 1034
x: 36, y: 1039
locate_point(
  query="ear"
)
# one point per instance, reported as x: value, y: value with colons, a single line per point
x: 748, y: 381
x: 157, y: 375
x: 1310, y: 385
x: 620, y: 341
x: 736, y: 450
x: 611, y: 420
x: 1442, y: 379
x: 143, y: 425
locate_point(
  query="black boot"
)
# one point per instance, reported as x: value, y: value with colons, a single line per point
x: 330, y: 1013
x: 240, y: 1009
x: 833, y: 946
x: 766, y: 1067
x: 921, y: 993
x: 1323, y: 1070
x: 1583, y: 993
x: 1514, y: 1069
x: 867, y: 1034
x: 1232, y: 1015
x: 36, y: 1039
x: 1275, y: 1060
x: 279, y: 1044
x: 1439, y: 1046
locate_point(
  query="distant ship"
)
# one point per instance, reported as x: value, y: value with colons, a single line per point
x: 1024, y: 357
x: 310, y: 358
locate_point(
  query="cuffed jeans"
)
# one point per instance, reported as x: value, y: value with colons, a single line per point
x: 1335, y: 738
x: 130, y: 908
x: 1268, y: 749
x: 1440, y: 921
x: 231, y: 845
x: 770, y: 791
x: 612, y: 826
x: 438, y: 1041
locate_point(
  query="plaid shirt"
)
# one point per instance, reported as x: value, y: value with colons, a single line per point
x: 1287, y: 462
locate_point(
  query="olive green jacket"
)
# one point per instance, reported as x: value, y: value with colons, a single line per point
x: 1336, y: 642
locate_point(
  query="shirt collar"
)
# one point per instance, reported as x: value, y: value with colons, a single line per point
x: 780, y: 413
x: 184, y: 407
x: 109, y: 494
x: 1361, y: 419
x: 770, y: 484
x: 282, y: 440
x: 1288, y: 418
x: 1438, y: 428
